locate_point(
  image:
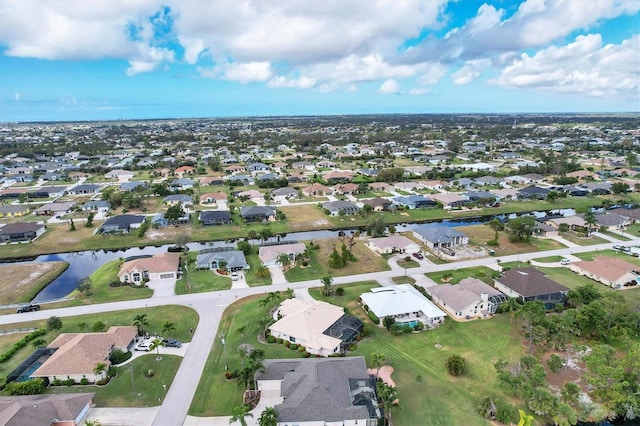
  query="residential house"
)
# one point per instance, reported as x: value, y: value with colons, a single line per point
x: 393, y: 244
x: 234, y: 169
x: 346, y: 188
x: 597, y: 188
x: 572, y: 222
x: 285, y: 193
x: 296, y: 177
x: 323, y: 329
x: 184, y: 170
x: 215, y: 217
x: 470, y: 298
x: 505, y: 194
x: 533, y: 193
x: 257, y: 213
x: 269, y: 254
x: 449, y: 200
x: 379, y: 186
x: 321, y: 391
x: 317, y: 190
x: 213, y: 198
x: 257, y: 167
x: 98, y: 206
x: 439, y: 237
x: 378, y: 204
x: 20, y: 232
x: 544, y: 230
x: 85, y: 189
x: 51, y: 209
x: 406, y: 305
x: 528, y: 284
x: 121, y: 175
x: 77, y: 354
x: 14, y: 211
x: 52, y: 410
x: 338, y: 176
x: 610, y: 271
x: 232, y: 260
x: 413, y: 201
x: 174, y: 199
x: 161, y: 266
x: 480, y: 196
x: 434, y: 185
x: 336, y: 208
x: 121, y: 224
x: 212, y: 180
x: 133, y: 185
x: 181, y: 184
x: 487, y: 180
x: 612, y: 220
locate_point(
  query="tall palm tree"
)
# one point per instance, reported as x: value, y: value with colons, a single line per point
x: 168, y: 327
x: 268, y: 417
x: 387, y: 398
x: 326, y: 283
x: 99, y: 370
x: 155, y: 345
x: 284, y: 260
x: 252, y: 234
x: 376, y: 361
x: 589, y: 221
x: 239, y: 413
x: 141, y: 322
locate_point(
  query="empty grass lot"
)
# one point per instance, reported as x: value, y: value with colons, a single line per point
x: 582, y: 241
x: 307, y: 216
x: 479, y: 235
x: 454, y: 276
x: 366, y: 261
x: 21, y: 282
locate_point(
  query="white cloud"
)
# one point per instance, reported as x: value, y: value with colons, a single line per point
x: 295, y: 83
x: 18, y: 96
x: 419, y: 91
x: 470, y: 71
x: 432, y: 73
x: 148, y: 59
x: 389, y: 87
x: 242, y: 72
x: 582, y: 67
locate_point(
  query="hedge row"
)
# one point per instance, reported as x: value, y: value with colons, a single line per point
x: 373, y: 317
x: 21, y: 344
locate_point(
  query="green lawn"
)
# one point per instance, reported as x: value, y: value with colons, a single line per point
x: 616, y: 235
x: 612, y: 253
x: 582, y: 241
x: 215, y: 396
x: 408, y: 263
x: 428, y: 395
x: 481, y: 272
x: 549, y: 259
x: 200, y: 280
x: 139, y: 391
x: 252, y: 278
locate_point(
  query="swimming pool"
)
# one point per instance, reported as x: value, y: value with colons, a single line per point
x: 25, y: 376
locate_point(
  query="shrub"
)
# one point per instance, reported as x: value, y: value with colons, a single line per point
x: 555, y: 363
x: 396, y: 329
x: 287, y: 343
x: 306, y: 354
x: 84, y: 381
x: 98, y: 326
x: 407, y: 328
x: 22, y: 343
x: 293, y: 346
x: 366, y: 330
x: 302, y: 349
x: 339, y: 291
x: 69, y: 382
x: 373, y: 317
x: 271, y: 339
x: 366, y: 308
x: 493, y: 243
x: 419, y: 326
x: 57, y: 382
x: 118, y: 357
x: 115, y: 283
x: 279, y: 340
x: 28, y: 387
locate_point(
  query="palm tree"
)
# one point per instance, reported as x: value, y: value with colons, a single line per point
x: 155, y: 344
x: 39, y: 343
x: 244, y: 377
x: 141, y: 322
x: 326, y: 282
x: 455, y: 365
x: 268, y: 417
x: 290, y: 294
x: 387, y: 398
x: 252, y: 234
x: 589, y: 221
x: 168, y: 327
x: 376, y: 361
x: 284, y: 260
x: 239, y: 413
x: 99, y: 370
x: 92, y: 422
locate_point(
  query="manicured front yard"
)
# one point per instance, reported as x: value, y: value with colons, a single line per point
x: 200, y: 280
x: 582, y: 241
x: 251, y: 276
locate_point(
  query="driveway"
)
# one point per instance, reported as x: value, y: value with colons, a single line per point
x: 162, y: 288
x: 277, y: 276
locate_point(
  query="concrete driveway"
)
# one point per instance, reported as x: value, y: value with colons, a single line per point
x: 162, y: 288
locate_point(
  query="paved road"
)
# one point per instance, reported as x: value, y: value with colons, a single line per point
x: 210, y: 307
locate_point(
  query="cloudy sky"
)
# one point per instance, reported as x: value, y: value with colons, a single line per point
x: 112, y: 59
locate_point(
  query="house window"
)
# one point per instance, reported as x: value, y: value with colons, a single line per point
x: 292, y: 339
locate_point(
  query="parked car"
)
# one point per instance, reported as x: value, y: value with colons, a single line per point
x: 418, y: 255
x: 172, y: 343
x: 617, y: 247
x: 234, y: 276
x: 28, y: 308
x: 565, y: 262
x: 144, y: 347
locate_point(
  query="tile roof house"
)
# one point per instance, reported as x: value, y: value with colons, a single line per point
x: 157, y: 267
x: 213, y: 197
x: 317, y: 190
x: 323, y: 329
x: 14, y: 211
x: 404, y: 303
x: 612, y: 220
x: 378, y: 204
x: 51, y: 209
x: 529, y: 284
x: 233, y: 260
x: 20, y: 232
x: 173, y: 199
x: 449, y: 199
x: 269, y: 254
x: 77, y: 354
x: 338, y: 176
x: 571, y: 221
x: 51, y: 410
x: 413, y: 201
x: 257, y: 213
x: 470, y: 298
x: 87, y: 188
x: 393, y: 244
x: 533, y: 193
x: 319, y: 391
x: 610, y: 271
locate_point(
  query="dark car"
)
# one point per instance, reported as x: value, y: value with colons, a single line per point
x: 418, y: 255
x: 172, y: 343
x: 28, y: 308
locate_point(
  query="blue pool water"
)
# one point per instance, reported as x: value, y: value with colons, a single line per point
x: 29, y: 371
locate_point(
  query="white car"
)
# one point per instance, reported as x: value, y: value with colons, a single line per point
x: 565, y: 262
x: 144, y: 346
x: 234, y: 276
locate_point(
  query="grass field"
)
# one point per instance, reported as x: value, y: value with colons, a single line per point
x: 479, y: 235
x: 456, y: 275
x: 21, y: 282
x: 582, y: 241
x: 307, y: 216
x: 252, y: 278
x: 366, y: 262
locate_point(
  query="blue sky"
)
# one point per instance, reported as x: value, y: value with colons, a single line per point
x: 120, y: 59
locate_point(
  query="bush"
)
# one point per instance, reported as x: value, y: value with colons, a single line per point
x: 293, y: 346
x: 287, y: 343
x: 407, y: 328
x: 98, y: 326
x: 279, y: 340
x: 84, y: 381
x: 366, y: 330
x: 339, y: 291
x: 302, y: 349
x: 397, y: 329
x: 271, y: 339
x: 419, y: 326
x: 28, y: 387
x: 57, y: 382
x: 115, y: 283
x: 366, y: 308
x: 493, y: 243
x: 22, y: 343
x: 69, y: 382
x: 373, y: 317
x: 118, y: 357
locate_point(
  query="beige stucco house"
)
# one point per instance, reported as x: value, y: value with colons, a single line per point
x: 610, y: 271
x: 158, y: 267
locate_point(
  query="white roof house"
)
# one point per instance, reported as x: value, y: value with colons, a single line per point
x: 304, y: 323
x: 393, y: 244
x: 404, y: 303
x: 269, y: 254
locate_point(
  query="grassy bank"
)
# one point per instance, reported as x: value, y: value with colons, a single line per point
x: 21, y: 282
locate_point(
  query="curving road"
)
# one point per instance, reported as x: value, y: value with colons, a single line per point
x: 210, y: 307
